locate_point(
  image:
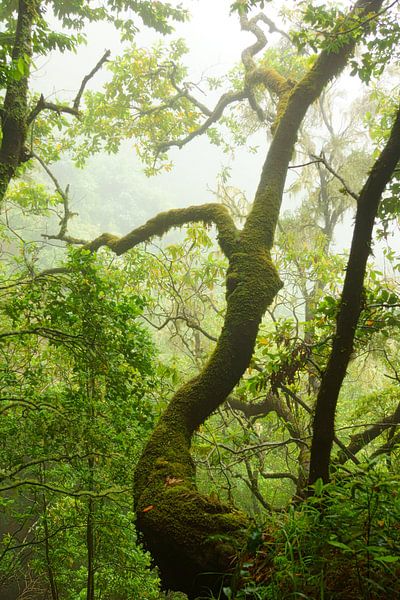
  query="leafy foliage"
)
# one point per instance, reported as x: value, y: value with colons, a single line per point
x: 341, y: 543
x: 77, y: 377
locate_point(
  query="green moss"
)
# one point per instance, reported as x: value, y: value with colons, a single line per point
x: 163, y: 222
x: 180, y: 525
x: 252, y: 284
x: 187, y: 533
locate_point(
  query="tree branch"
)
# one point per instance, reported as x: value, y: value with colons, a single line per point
x: 214, y: 213
x: 351, y: 303
x: 73, y: 494
x: 39, y: 461
x: 62, y: 234
x: 270, y: 78
x: 27, y: 404
x: 46, y: 332
x: 184, y: 93
x: 42, y: 104
x: 322, y: 159
x: 346, y: 451
x: 277, y: 475
x: 362, y: 439
x: 261, y: 222
x: 88, y: 77
x: 189, y: 322
x: 223, y: 102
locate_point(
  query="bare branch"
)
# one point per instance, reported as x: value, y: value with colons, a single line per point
x: 184, y: 92
x: 42, y: 104
x: 62, y: 234
x: 88, y: 77
x: 311, y: 162
x: 273, y: 28
x: 256, y: 447
x: 189, y: 322
x: 223, y: 102
x: 322, y: 159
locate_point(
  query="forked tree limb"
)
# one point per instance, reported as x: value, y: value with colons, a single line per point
x: 73, y: 110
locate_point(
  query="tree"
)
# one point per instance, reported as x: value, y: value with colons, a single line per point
x: 180, y: 525
x: 77, y: 378
x: 188, y: 533
x: 29, y: 34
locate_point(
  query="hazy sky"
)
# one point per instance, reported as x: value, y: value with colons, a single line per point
x: 215, y: 42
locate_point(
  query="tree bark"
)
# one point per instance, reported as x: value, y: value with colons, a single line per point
x: 191, y: 535
x: 15, y: 107
x: 350, y: 305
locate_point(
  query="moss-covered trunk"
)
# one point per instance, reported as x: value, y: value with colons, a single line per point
x: 15, y: 107
x: 190, y: 535
x: 177, y: 522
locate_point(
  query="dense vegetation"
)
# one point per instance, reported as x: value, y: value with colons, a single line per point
x: 213, y: 415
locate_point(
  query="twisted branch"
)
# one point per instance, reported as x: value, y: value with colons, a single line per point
x: 268, y: 77
x: 214, y: 213
x: 215, y: 115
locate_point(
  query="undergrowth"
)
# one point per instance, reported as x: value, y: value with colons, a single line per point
x: 342, y: 543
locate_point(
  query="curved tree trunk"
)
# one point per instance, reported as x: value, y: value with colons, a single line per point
x: 178, y: 523
x: 191, y: 535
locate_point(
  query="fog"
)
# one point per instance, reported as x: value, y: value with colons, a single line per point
x: 124, y: 196
x: 215, y: 43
